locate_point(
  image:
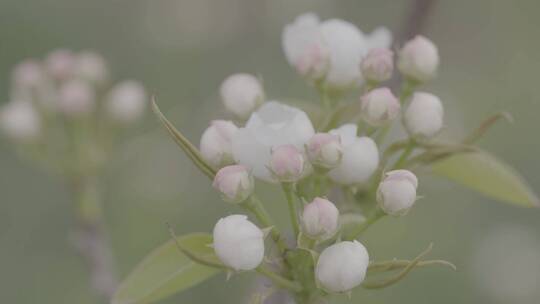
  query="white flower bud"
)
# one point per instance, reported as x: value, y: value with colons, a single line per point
x: 92, y: 67
x: 60, y: 64
x: 287, y: 163
x: 419, y: 59
x: 360, y: 157
x: 238, y: 243
x: 342, y: 266
x: 324, y: 150
x: 241, y: 94
x: 215, y: 145
x: 28, y: 75
x: 320, y: 219
x: 126, y: 102
x: 379, y: 106
x: 234, y: 182
x: 378, y: 65
x: 397, y: 192
x: 424, y: 117
x: 76, y: 98
x: 20, y: 121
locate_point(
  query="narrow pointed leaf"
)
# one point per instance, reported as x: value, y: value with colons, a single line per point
x: 166, y: 271
x: 391, y: 265
x: 488, y: 175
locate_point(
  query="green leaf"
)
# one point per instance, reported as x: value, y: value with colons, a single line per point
x: 488, y: 175
x: 166, y: 271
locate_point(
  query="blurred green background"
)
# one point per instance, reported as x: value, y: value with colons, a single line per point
x: 181, y: 50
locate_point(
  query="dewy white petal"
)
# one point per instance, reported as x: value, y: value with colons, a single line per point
x: 272, y: 125
x: 298, y: 36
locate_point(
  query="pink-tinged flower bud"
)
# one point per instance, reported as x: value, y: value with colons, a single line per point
x: 20, y: 121
x: 314, y: 62
x: 379, y: 106
x: 76, y: 98
x: 28, y: 75
x: 126, y: 102
x: 378, y: 65
x: 238, y: 243
x: 424, y: 117
x: 92, y: 67
x: 397, y: 192
x: 320, y: 219
x: 241, y: 94
x: 215, y: 145
x: 342, y: 266
x: 235, y: 183
x: 324, y: 150
x: 60, y: 64
x: 419, y: 59
x: 287, y: 163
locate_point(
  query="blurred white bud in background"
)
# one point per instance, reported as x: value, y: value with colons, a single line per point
x: 28, y: 75
x: 423, y: 118
x: 60, y: 64
x: 287, y: 163
x: 379, y: 106
x: 342, y: 266
x: 324, y: 150
x: 20, y: 121
x: 91, y: 67
x: 419, y: 59
x: 76, y: 98
x: 378, y: 65
x: 238, y: 243
x: 234, y: 182
x: 126, y: 102
x: 215, y: 145
x: 273, y: 124
x: 241, y: 94
x: 360, y: 157
x: 397, y: 192
x: 320, y: 219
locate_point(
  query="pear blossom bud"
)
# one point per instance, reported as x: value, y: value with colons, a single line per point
x: 419, y: 59
x: 241, y: 94
x: 378, y: 65
x: 342, y: 266
x: 424, y: 116
x: 234, y: 182
x: 324, y: 150
x: 60, y: 64
x: 92, y: 67
x: 126, y: 102
x: 238, y: 243
x: 215, y: 143
x: 397, y: 192
x: 76, y: 98
x: 320, y: 219
x: 28, y: 75
x: 20, y: 121
x: 379, y: 106
x: 287, y: 163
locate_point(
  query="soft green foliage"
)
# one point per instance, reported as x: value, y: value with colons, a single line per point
x: 488, y: 175
x: 166, y: 270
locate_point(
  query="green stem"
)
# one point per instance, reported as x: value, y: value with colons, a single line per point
x: 405, y: 155
x: 375, y: 216
x: 289, y: 194
x: 279, y: 280
x: 254, y: 205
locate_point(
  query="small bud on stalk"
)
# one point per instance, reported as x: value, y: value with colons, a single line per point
x: 20, y: 121
x: 320, y: 219
x: 241, y: 94
x: 238, y: 243
x: 91, y: 67
x: 28, y: 75
x: 215, y: 143
x: 76, y: 98
x: 419, y: 59
x: 287, y: 163
x: 397, y: 192
x: 379, y: 106
x: 324, y: 150
x: 235, y: 183
x: 60, y: 64
x: 378, y: 65
x: 126, y: 102
x: 424, y: 117
x: 342, y: 266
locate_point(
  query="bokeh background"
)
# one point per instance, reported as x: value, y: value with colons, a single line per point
x: 181, y: 50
